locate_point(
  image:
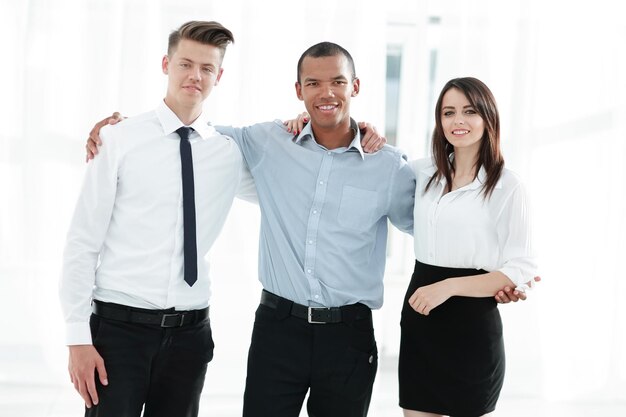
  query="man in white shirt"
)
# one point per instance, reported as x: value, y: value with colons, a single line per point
x: 133, y: 249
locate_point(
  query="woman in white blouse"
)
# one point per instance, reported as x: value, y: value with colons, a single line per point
x: 472, y: 238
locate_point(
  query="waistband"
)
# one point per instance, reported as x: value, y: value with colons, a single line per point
x: 163, y: 318
x: 317, y: 315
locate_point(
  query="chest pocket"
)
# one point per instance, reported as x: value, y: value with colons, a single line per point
x: 357, y: 209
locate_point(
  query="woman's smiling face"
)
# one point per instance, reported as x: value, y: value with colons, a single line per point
x: 462, y: 125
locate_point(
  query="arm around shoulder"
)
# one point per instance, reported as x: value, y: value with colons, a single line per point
x: 253, y: 141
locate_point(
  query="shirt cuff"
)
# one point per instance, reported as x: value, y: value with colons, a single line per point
x: 515, y: 275
x: 77, y: 334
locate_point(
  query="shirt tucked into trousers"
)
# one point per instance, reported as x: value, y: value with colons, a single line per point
x: 125, y: 249
x: 324, y: 216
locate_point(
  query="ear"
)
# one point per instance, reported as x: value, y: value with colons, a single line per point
x: 356, y: 86
x: 299, y: 91
x: 165, y: 62
x: 219, y: 76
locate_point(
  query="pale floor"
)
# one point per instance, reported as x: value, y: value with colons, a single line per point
x: 45, y: 397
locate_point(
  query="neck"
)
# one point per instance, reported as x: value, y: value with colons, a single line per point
x: 465, y: 161
x: 187, y: 115
x: 334, y: 137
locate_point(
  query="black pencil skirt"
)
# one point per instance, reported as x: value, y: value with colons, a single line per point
x: 451, y: 361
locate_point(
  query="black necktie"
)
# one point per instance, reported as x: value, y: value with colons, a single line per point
x: 189, y: 207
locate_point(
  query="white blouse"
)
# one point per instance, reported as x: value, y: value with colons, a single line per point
x: 463, y: 230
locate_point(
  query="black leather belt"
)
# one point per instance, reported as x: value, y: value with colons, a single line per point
x: 163, y: 318
x: 318, y: 315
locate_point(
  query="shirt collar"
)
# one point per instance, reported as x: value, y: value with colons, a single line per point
x: 307, y: 133
x: 170, y: 122
x: 480, y: 179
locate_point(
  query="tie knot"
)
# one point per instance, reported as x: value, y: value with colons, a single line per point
x: 184, y: 131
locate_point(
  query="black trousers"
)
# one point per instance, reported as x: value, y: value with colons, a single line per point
x: 335, y: 363
x: 161, y: 369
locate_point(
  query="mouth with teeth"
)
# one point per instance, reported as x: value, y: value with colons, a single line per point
x: 460, y: 132
x: 327, y: 108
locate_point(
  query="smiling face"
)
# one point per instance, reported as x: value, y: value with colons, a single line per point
x: 193, y: 69
x: 462, y: 126
x: 326, y: 86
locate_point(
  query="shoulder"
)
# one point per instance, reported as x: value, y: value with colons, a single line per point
x: 391, y: 154
x: 510, y: 189
x: 392, y: 165
x: 273, y: 129
x: 131, y: 127
x: 258, y: 131
x: 273, y: 126
x: 422, y: 164
x: 509, y: 180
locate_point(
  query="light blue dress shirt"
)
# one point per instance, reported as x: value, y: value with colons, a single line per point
x: 324, y: 213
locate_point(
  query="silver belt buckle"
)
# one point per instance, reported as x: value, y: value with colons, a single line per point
x: 310, y: 315
x: 165, y: 316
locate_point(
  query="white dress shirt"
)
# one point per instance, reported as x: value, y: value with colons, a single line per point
x: 125, y: 242
x: 463, y: 230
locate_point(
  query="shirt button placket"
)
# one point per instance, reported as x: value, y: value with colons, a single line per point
x: 313, y: 226
x: 432, y: 218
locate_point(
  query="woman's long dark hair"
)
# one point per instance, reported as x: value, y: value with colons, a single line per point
x: 489, y: 154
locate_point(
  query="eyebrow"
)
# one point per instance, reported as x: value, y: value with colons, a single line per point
x: 339, y: 77
x: 207, y: 64
x: 452, y: 107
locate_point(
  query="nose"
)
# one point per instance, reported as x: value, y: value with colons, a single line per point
x: 329, y: 91
x: 194, y: 73
x: 458, y: 119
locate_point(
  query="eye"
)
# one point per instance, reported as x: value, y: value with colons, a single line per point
x: 207, y: 70
x: 184, y: 65
x: 448, y: 113
x: 311, y: 84
x: 470, y: 111
x: 338, y: 82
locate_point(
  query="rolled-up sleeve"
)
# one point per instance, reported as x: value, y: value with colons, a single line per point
x: 514, y: 234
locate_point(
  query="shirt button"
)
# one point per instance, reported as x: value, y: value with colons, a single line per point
x: 308, y: 270
x: 321, y: 182
x: 317, y: 296
x: 314, y: 211
x: 371, y: 359
x: 310, y: 242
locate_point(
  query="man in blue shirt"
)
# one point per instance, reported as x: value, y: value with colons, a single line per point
x: 324, y: 210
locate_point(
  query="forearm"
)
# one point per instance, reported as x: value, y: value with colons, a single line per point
x: 484, y: 285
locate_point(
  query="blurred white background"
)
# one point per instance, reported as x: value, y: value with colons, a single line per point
x: 557, y: 69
